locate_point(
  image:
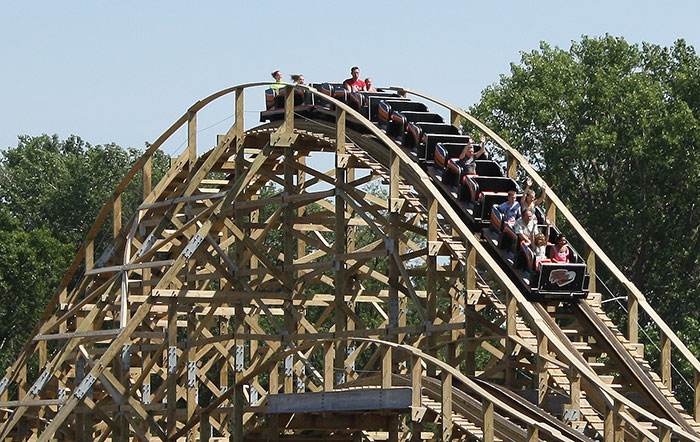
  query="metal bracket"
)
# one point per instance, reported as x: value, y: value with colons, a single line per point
x: 289, y: 365
x: 396, y: 204
x: 126, y: 357
x: 191, y: 373
x: 146, y: 394
x: 426, y: 324
x: 105, y: 256
x: 417, y: 413
x: 434, y: 247
x: 240, y: 357
x: 40, y: 382
x: 342, y: 160
x: 339, y: 378
x: 146, y: 246
x: 350, y: 351
x: 4, y: 382
x: 283, y: 139
x: 571, y: 414
x: 192, y: 246
x: 389, y: 243
x: 62, y: 394
x: 254, y: 395
x: 172, y: 360
x: 84, y: 386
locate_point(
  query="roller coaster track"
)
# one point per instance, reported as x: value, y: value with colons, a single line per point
x: 222, y: 293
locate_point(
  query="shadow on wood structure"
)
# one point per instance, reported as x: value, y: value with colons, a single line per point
x: 260, y: 294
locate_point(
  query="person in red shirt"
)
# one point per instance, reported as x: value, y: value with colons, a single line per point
x: 354, y: 84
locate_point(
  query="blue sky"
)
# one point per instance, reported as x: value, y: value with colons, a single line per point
x: 124, y: 71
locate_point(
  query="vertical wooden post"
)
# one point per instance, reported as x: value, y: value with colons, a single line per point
x: 289, y: 109
x: 239, y: 114
x: 191, y: 139
x: 340, y: 242
x: 533, y: 434
x: 632, y: 318
x: 117, y: 216
x: 609, y: 425
x: 470, y: 344
x: 446, y: 405
x: 432, y: 279
x: 512, y: 166
x: 239, y: 368
x: 204, y: 427
x: 696, y: 395
x: 664, y: 434
x: 416, y: 398
x: 328, y: 359
x: 172, y: 368
x: 455, y: 119
x: 590, y: 264
x: 665, y: 360
x: 619, y: 423
x: 487, y: 420
x: 511, y: 318
x: 551, y: 210
x: 542, y: 375
x: 147, y: 177
x: 392, y: 246
x: 191, y: 373
x: 90, y: 255
x: 574, y: 389
x: 274, y: 378
x: 386, y: 367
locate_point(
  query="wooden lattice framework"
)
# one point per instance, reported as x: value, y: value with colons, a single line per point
x: 221, y: 292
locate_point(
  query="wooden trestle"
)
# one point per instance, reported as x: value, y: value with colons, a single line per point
x: 256, y: 270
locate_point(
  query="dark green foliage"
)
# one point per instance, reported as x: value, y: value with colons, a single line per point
x: 51, y: 190
x: 613, y: 128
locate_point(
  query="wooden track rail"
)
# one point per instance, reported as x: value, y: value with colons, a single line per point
x: 254, y: 270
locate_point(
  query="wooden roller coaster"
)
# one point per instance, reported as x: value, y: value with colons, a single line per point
x: 255, y: 295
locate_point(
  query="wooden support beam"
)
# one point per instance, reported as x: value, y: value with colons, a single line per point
x: 632, y: 318
x: 542, y: 373
x: 171, y: 364
x: 609, y: 425
x: 117, y: 216
x: 591, y: 268
x: 487, y: 422
x: 446, y: 423
x: 665, y: 360
x: 191, y: 139
x: 696, y: 395
x: 511, y: 321
x: 512, y: 166
x: 340, y: 280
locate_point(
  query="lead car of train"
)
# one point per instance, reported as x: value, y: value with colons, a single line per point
x: 435, y: 146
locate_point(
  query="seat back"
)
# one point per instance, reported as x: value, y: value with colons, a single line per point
x: 488, y: 168
x: 426, y: 149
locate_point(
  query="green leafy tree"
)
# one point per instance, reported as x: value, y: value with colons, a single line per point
x: 31, y: 266
x: 613, y: 128
x: 62, y: 184
x: 51, y: 190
